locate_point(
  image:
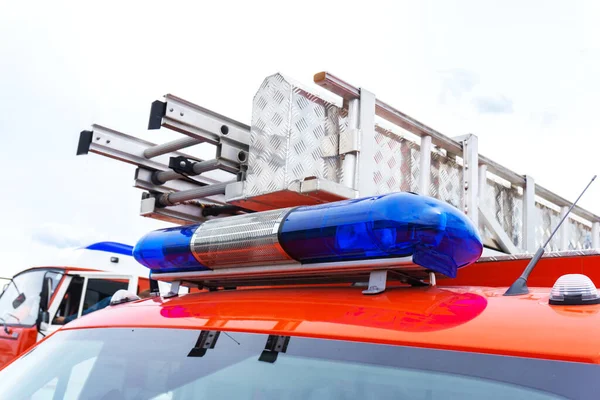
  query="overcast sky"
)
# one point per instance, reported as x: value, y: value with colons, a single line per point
x: 522, y: 75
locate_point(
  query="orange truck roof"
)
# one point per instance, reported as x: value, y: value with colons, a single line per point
x: 474, y: 319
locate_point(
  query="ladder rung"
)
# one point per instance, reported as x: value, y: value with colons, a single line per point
x: 198, y: 193
x: 169, y: 147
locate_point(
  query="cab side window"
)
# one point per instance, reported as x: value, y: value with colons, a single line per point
x: 99, y: 292
x: 69, y: 306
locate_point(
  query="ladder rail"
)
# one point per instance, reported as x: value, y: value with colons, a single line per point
x: 178, y: 188
x: 349, y: 92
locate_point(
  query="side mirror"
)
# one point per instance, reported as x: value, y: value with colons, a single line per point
x: 45, y: 294
x: 20, y: 299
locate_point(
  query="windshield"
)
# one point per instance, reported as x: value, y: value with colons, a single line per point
x: 165, y: 364
x: 20, y: 302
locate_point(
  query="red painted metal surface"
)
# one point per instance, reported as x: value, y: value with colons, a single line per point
x: 17, y: 341
x: 504, y: 273
x: 464, y: 319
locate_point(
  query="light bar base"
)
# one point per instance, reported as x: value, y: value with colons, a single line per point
x: 377, y: 282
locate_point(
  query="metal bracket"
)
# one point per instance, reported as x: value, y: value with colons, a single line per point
x: 174, y: 291
x: 529, y: 214
x: 182, y: 214
x: 350, y: 141
x: 470, y: 177
x: 497, y: 232
x: 432, y: 279
x: 377, y: 282
x: 366, y: 157
x: 207, y: 340
x: 275, y: 345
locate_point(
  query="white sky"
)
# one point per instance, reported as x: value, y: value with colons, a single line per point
x: 523, y: 76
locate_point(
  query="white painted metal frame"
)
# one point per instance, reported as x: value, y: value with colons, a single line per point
x: 59, y: 294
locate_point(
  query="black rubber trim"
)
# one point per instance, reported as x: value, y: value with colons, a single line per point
x: 573, y: 301
x: 85, y: 140
x: 157, y: 112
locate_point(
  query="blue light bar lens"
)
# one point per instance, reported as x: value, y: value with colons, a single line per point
x: 168, y: 250
x: 437, y: 235
x: 112, y: 247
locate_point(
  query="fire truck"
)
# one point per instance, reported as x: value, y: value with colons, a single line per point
x: 338, y: 248
x: 39, y: 300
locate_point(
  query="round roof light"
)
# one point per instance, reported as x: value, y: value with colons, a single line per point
x: 574, y: 289
x: 123, y: 296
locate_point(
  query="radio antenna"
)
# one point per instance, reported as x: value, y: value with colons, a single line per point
x: 520, y: 285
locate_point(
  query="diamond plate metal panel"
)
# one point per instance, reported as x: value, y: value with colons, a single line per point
x: 546, y: 219
x: 290, y: 134
x: 506, y: 204
x: 580, y: 235
x: 396, y: 161
x: 446, y: 177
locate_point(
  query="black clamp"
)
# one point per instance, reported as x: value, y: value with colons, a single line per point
x: 182, y: 165
x: 275, y: 345
x: 207, y: 340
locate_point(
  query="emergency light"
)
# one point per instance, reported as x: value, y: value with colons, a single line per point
x: 437, y: 236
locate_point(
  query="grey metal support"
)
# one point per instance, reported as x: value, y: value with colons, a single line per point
x: 174, y: 290
x: 596, y: 235
x: 161, y: 177
x: 498, y: 233
x: 482, y: 176
x: 470, y: 178
x: 432, y: 279
x: 350, y: 159
x: 425, y: 165
x: 529, y: 215
x: 204, y: 191
x: 177, y: 144
x: 366, y: 186
x: 564, y: 230
x: 377, y: 282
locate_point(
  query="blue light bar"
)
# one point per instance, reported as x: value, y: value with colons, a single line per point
x: 438, y: 236
x: 112, y: 247
x: 168, y: 250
